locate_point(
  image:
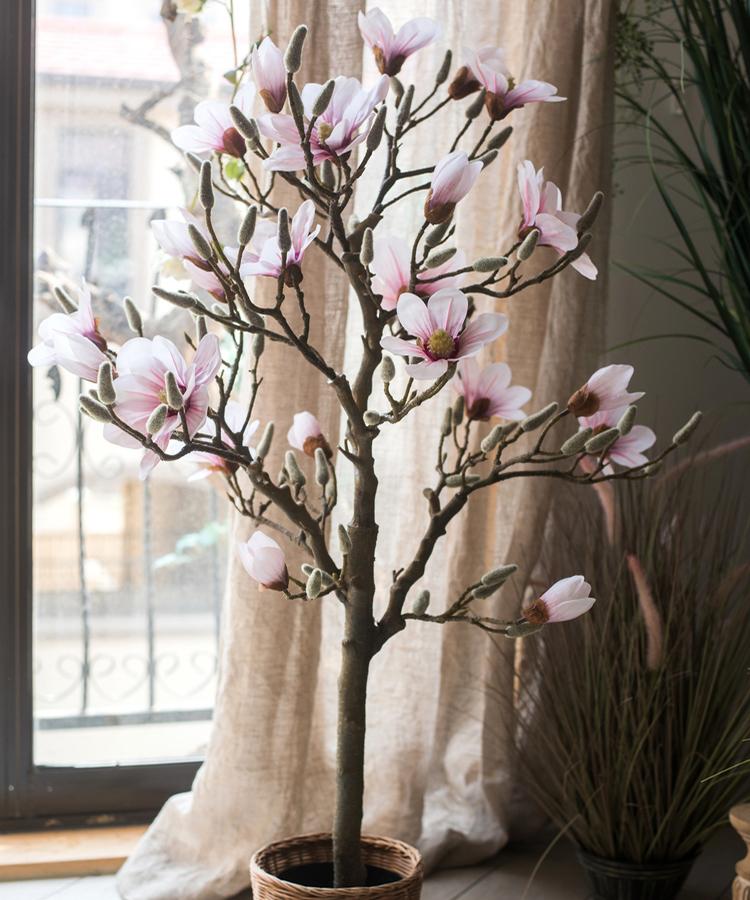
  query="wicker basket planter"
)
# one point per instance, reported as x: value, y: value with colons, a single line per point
x: 300, y: 867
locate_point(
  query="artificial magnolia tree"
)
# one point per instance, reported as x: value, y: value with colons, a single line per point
x: 416, y: 296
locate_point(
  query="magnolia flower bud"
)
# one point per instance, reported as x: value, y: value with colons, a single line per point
x: 194, y: 161
x: 652, y: 468
x: 482, y: 591
x: 98, y: 411
x: 583, y: 241
x: 345, y: 543
x: 327, y: 176
x: 499, y: 575
x: 493, y: 439
x: 489, y: 156
x: 324, y: 98
x: 205, y: 186
x: 602, y: 440
x: 293, y: 54
x: 285, y: 237
x: 397, y: 88
x: 447, y: 426
x: 490, y: 263
x: 372, y: 418
x: 133, y: 316
x: 264, y: 444
x: 322, y: 473
x: 367, y: 251
x: 627, y: 419
x: 534, y: 421
x: 439, y: 257
x: 247, y: 228
x: 199, y: 242
x: 687, y: 429
x: 522, y: 629
x: 258, y: 345
x: 104, y: 385
x: 590, y: 214
x: 421, y: 603
x: 476, y: 105
x: 314, y: 584
x: 248, y: 128
x: 387, y: 370
x: 201, y: 329
x: 459, y: 480
x: 576, y: 442
x: 528, y: 245
x: 295, y: 102
x: 375, y: 134
x: 296, y: 476
x: 458, y: 410
x: 445, y: 68
x: 435, y: 235
x: 172, y: 392
x: 177, y: 298
x: 500, y: 139
x: 65, y: 300
x: 157, y: 419
x: 404, y: 107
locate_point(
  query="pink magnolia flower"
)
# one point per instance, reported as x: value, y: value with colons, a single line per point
x: 453, y: 178
x: 342, y: 126
x: 269, y: 262
x: 391, y: 50
x: 263, y: 560
x: 269, y: 74
x: 391, y: 266
x: 542, y: 209
x: 439, y: 329
x: 214, y: 129
x: 307, y: 435
x: 566, y: 599
x: 139, y: 385
x: 606, y: 389
x: 628, y: 449
x: 211, y: 463
x: 488, y: 392
x: 487, y: 68
x: 71, y: 340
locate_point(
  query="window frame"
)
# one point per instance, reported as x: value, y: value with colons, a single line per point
x: 30, y: 795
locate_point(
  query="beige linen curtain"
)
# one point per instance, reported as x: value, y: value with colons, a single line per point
x: 438, y: 772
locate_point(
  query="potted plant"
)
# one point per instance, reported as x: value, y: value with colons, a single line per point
x: 416, y: 294
x: 660, y: 673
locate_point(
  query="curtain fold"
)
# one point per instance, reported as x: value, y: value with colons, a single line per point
x: 439, y: 732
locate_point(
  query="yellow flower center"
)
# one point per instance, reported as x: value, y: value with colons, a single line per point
x: 324, y: 131
x: 440, y: 344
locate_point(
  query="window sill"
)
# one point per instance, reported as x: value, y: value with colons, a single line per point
x: 73, y: 852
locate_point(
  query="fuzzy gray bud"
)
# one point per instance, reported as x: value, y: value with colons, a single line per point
x: 375, y: 134
x: 258, y: 345
x: 534, y: 421
x: 285, y: 237
x: 459, y: 480
x: 488, y: 157
x: 264, y: 444
x: 201, y: 329
x: 493, y: 439
x: 590, y: 214
x: 482, y: 591
x: 248, y: 128
x: 576, y: 442
x: 247, y: 227
x: 322, y: 472
x: 367, y: 251
x: 293, y: 54
x: 93, y: 408
x: 172, y: 392
x: 314, y: 584
x: 490, y: 263
x: 345, y: 542
x: 327, y: 177
x: 439, y: 257
x: 652, y: 468
x: 528, y: 245
x: 397, y: 88
x: 421, y: 603
x: 105, y: 385
x: 602, y: 440
x: 583, y: 242
x: 500, y: 139
x: 176, y: 298
x: 458, y: 410
x: 157, y: 419
x: 445, y: 67
x: 67, y: 304
x: 205, y: 186
x: 476, y: 105
x: 687, y: 429
x: 522, y: 629
x: 199, y: 242
x: 447, y: 426
x: 627, y: 420
x: 133, y: 316
x: 296, y: 476
x: 404, y: 107
x: 324, y: 98
x: 372, y: 418
x: 387, y: 370
x: 295, y: 102
x: 499, y: 575
x: 435, y: 235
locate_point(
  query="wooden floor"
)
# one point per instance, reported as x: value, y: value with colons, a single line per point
x: 504, y: 878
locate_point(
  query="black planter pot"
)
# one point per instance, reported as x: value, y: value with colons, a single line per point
x: 613, y: 880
